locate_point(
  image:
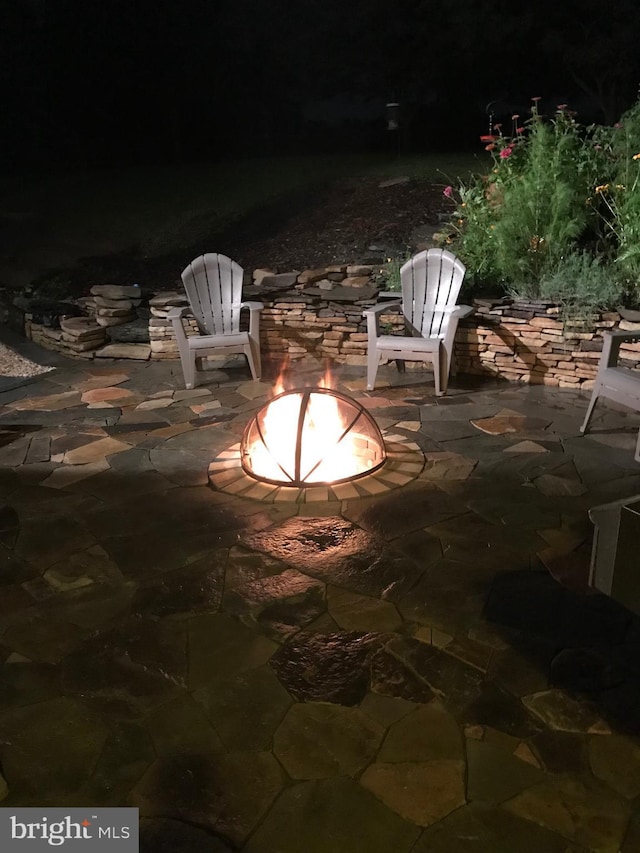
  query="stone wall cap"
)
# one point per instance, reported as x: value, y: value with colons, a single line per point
x: 168, y: 297
x: 115, y: 291
x: 342, y: 293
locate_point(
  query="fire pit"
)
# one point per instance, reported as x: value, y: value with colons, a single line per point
x: 315, y: 445
x: 311, y: 437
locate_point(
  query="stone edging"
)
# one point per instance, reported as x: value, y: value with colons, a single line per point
x: 404, y: 463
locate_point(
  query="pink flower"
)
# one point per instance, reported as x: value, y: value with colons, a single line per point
x: 536, y: 99
x: 488, y: 138
x: 515, y: 117
x: 497, y: 126
x: 562, y: 106
x: 447, y: 192
x: 506, y: 153
x: 618, y: 125
x: 490, y: 146
x: 519, y: 129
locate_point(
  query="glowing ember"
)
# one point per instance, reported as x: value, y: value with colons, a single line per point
x: 311, y: 436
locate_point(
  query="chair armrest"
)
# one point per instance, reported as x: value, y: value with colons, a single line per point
x: 455, y: 313
x: 254, y: 317
x: 373, y: 316
x: 176, y: 315
x: 620, y: 334
x: 611, y: 346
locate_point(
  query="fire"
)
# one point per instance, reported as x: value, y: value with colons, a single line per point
x: 279, y: 386
x: 311, y: 436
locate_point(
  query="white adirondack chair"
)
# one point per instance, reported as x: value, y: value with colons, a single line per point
x: 620, y: 384
x: 213, y: 284
x: 431, y: 282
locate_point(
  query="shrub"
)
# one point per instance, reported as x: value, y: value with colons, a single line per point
x: 390, y: 275
x: 542, y: 213
x: 582, y: 285
x: 471, y: 229
x: 559, y: 199
x: 616, y: 197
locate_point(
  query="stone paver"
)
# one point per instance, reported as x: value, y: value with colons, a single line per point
x: 94, y: 451
x: 102, y: 395
x: 496, y: 774
x: 586, y: 814
x: 49, y: 748
x: 246, y: 709
x: 427, y: 734
x: 332, y: 814
x: 565, y: 714
x: 616, y: 761
x: 423, y: 793
x: 478, y: 828
x: 211, y: 791
x: 220, y: 646
x: 363, y: 671
x: 181, y: 727
x: 318, y: 740
x: 355, y: 612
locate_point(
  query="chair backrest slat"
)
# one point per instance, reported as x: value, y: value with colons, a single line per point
x: 431, y: 282
x: 213, y: 284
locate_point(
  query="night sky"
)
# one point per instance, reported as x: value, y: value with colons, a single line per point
x: 88, y: 83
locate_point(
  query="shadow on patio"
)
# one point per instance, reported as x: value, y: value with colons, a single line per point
x: 393, y: 672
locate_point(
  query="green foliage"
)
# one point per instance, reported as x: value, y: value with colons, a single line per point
x: 390, y: 274
x: 472, y: 227
x: 583, y: 286
x: 541, y: 214
x: 616, y: 199
x: 561, y: 201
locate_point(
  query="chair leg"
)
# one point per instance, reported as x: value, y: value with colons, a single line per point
x: 189, y: 369
x: 253, y: 357
x: 373, y: 360
x: 257, y: 358
x: 590, y: 408
x: 187, y: 356
x: 445, y: 369
x: 436, y: 374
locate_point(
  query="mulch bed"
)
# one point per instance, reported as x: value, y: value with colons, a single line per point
x: 347, y: 222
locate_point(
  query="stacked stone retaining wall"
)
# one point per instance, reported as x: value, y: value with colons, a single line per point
x: 528, y: 342
x: 317, y: 314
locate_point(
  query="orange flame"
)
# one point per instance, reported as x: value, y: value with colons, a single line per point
x: 278, y: 387
x: 327, y: 380
x: 326, y: 452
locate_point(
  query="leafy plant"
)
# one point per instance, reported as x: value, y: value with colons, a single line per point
x: 390, y: 274
x: 616, y: 199
x: 471, y: 229
x: 542, y: 213
x: 561, y: 202
x: 582, y: 286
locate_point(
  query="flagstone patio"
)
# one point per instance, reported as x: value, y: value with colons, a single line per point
x: 419, y: 667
